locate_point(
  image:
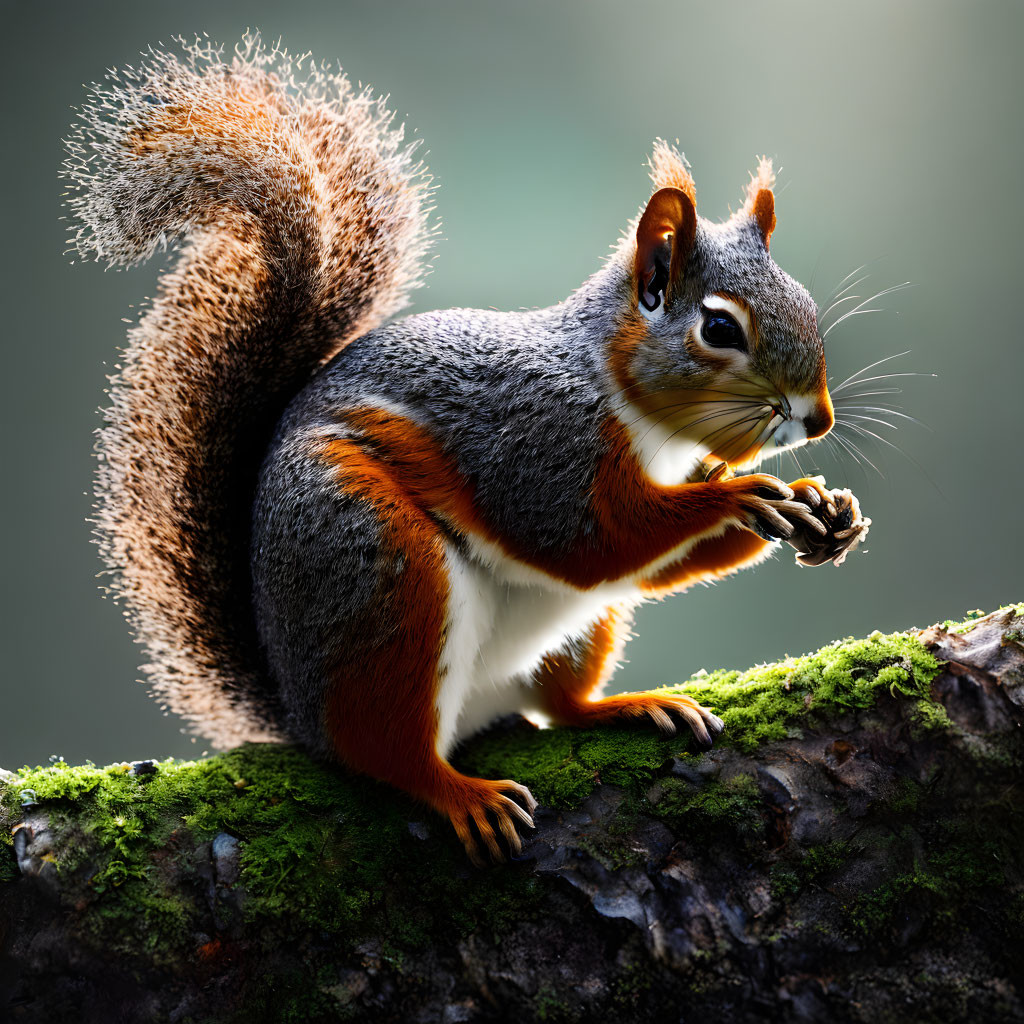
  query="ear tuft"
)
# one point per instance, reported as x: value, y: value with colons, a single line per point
x: 760, y: 200
x: 669, y: 169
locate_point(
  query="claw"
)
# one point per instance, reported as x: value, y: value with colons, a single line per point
x: 486, y: 833
x: 703, y: 738
x: 508, y: 830
x: 489, y: 815
x: 776, y: 492
x: 779, y: 527
x: 661, y: 720
x: 809, y: 496
x: 800, y: 511
x: 522, y: 815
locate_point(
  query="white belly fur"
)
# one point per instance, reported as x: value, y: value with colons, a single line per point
x: 503, y: 617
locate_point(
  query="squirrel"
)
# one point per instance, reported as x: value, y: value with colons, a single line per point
x: 370, y: 536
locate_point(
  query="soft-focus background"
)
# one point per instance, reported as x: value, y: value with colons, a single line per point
x: 897, y: 132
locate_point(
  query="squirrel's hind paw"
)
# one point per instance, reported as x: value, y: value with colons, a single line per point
x: 489, y: 822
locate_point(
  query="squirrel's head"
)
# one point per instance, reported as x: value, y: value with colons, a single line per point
x: 719, y: 349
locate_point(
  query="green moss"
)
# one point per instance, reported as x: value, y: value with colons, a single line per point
x: 767, y: 702
x: 955, y: 861
x: 823, y: 860
x: 8, y: 864
x: 561, y: 766
x: 317, y: 846
x: 785, y: 884
x: 729, y: 807
x: 549, y: 1006
x: 789, y: 878
x: 292, y: 997
x: 632, y: 984
x: 336, y: 853
x: 612, y: 842
x: 905, y: 798
x: 966, y: 624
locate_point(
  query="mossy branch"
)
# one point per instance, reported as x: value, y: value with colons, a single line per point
x: 854, y: 840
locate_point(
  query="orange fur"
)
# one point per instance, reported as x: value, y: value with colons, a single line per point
x: 710, y: 558
x: 636, y: 520
x: 419, y: 466
x: 569, y: 689
x: 565, y: 684
x: 760, y: 200
x: 622, y: 349
x: 668, y: 169
x: 763, y: 211
x: 669, y: 222
x: 381, y: 714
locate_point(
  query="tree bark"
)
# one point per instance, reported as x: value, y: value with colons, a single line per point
x: 857, y: 857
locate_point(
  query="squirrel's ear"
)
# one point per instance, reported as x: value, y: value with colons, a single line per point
x: 664, y: 238
x: 763, y: 212
x: 760, y: 202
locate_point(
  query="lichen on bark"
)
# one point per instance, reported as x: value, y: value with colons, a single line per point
x: 854, y: 841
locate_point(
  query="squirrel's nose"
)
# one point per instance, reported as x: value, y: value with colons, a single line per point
x: 820, y: 421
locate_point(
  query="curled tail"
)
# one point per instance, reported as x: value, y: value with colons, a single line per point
x: 304, y: 219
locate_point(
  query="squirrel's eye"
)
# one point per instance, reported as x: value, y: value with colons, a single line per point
x: 721, y: 331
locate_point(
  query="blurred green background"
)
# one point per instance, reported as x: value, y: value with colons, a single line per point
x: 897, y: 132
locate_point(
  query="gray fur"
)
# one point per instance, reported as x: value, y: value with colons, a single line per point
x: 516, y: 399
x: 304, y: 219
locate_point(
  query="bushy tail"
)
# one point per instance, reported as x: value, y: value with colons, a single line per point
x: 304, y: 220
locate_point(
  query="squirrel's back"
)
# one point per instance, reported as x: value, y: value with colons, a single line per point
x: 304, y: 221
x: 513, y: 398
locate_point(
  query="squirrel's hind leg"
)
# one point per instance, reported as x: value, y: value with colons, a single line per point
x: 570, y: 683
x: 383, y: 685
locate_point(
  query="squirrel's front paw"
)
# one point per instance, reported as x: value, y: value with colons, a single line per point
x: 772, y: 509
x: 840, y: 525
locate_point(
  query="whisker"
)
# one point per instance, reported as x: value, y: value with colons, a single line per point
x: 851, y: 286
x: 886, y: 376
x: 858, y: 309
x: 883, y: 440
x: 840, y: 299
x: 703, y: 442
x: 669, y: 409
x: 857, y: 452
x: 866, y: 394
x: 751, y: 418
x: 868, y: 419
x: 796, y: 462
x: 639, y: 386
x: 852, y: 273
x: 716, y: 414
x: 842, y: 451
x: 872, y: 434
x: 851, y: 379
x: 832, y: 447
x: 814, y: 274
x: 890, y: 411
